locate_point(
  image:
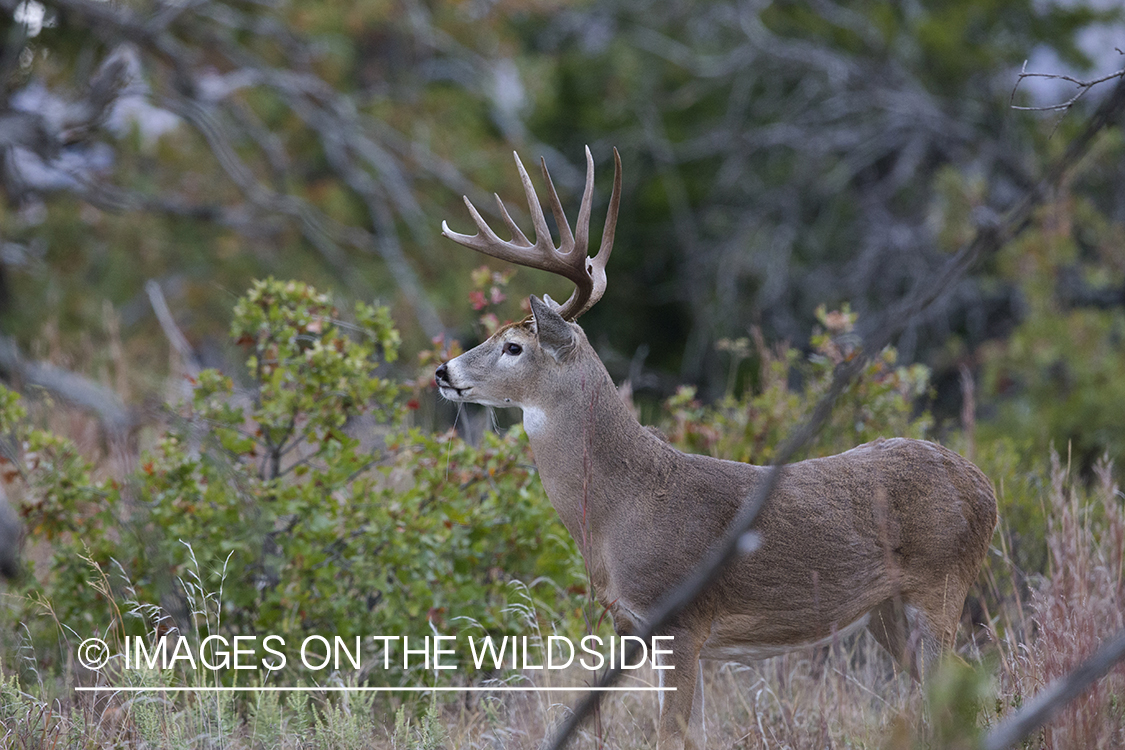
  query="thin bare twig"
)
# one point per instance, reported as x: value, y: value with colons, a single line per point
x: 172, y: 332
x: 1083, y: 88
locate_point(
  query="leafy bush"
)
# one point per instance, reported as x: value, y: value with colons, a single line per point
x: 881, y: 402
x: 1056, y: 379
x: 329, y: 515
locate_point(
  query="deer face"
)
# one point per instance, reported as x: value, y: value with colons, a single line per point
x: 535, y: 364
x: 521, y: 365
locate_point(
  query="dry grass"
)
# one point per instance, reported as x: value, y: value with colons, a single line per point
x: 848, y: 696
x: 1072, y: 611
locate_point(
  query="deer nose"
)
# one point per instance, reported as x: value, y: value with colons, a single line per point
x: 441, y: 375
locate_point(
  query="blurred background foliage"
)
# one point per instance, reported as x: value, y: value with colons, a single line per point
x: 778, y: 157
x: 787, y: 167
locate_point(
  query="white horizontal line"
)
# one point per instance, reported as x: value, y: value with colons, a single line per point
x: 336, y: 689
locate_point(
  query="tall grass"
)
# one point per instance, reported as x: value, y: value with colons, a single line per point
x: 848, y: 695
x: 1077, y: 606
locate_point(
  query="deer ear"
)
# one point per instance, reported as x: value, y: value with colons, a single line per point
x: 555, y: 334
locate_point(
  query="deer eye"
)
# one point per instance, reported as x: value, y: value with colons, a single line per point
x: 513, y: 349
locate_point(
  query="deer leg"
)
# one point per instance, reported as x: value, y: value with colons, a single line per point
x: 923, y: 645
x: 910, y: 633
x: 681, y: 709
x: 697, y: 725
x: 936, y: 619
x: 889, y: 625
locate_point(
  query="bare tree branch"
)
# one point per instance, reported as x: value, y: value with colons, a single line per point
x: 172, y: 332
x: 10, y: 533
x: 1083, y: 88
x: 67, y: 386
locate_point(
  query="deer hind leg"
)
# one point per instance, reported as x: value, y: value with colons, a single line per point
x: 911, y: 633
x: 681, y: 710
x: 697, y: 727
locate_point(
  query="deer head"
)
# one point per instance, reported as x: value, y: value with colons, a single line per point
x: 518, y: 365
x: 523, y: 362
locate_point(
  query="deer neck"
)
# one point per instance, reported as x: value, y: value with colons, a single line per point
x: 594, y: 458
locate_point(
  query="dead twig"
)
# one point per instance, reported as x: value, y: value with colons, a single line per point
x: 1083, y: 88
x: 172, y: 332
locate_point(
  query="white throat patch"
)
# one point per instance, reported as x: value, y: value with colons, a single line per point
x: 534, y: 420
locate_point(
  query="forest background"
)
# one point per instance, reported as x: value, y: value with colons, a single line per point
x: 789, y: 168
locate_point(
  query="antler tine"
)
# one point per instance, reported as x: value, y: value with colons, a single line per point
x: 543, y: 241
x: 485, y: 240
x: 566, y: 238
x: 610, y: 229
x: 517, y: 233
x: 570, y: 258
x: 582, y: 228
x: 578, y: 304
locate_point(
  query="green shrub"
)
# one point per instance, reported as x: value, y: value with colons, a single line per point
x: 1055, y: 380
x: 322, y: 525
x: 750, y: 426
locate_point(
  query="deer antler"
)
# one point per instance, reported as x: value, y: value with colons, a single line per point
x: 570, y: 258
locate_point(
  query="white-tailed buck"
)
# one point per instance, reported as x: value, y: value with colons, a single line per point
x: 889, y: 535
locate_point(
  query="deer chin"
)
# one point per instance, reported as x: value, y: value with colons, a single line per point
x: 468, y: 395
x: 453, y: 393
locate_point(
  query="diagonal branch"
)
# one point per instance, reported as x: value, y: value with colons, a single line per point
x: 1040, y: 709
x: 67, y: 386
x: 739, y: 538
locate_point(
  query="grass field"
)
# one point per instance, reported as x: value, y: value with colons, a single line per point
x: 848, y: 695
